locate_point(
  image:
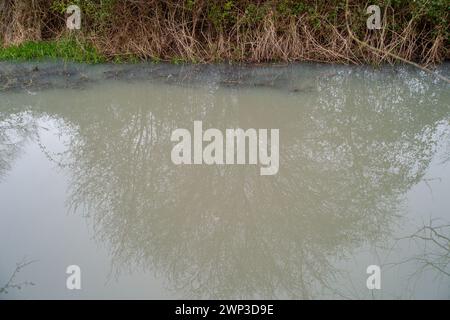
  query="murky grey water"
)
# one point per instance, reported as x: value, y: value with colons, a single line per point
x: 86, y: 178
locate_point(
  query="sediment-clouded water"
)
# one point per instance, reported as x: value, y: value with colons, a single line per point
x: 86, y: 179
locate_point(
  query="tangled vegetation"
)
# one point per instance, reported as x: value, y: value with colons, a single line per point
x: 233, y: 30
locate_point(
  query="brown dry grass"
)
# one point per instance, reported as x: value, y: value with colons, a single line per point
x: 21, y: 20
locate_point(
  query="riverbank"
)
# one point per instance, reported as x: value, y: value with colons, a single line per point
x: 234, y: 30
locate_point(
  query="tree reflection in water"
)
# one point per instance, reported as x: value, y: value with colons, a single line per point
x: 16, y: 128
x: 349, y: 151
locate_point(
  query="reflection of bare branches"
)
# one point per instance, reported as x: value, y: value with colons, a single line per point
x: 15, y: 129
x: 434, y: 242
x: 11, y: 284
x: 235, y: 234
x: 436, y: 247
x: 427, y: 183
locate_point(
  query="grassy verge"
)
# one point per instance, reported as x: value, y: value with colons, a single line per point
x: 68, y: 50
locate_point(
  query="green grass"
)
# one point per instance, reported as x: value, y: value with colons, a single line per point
x: 65, y: 49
